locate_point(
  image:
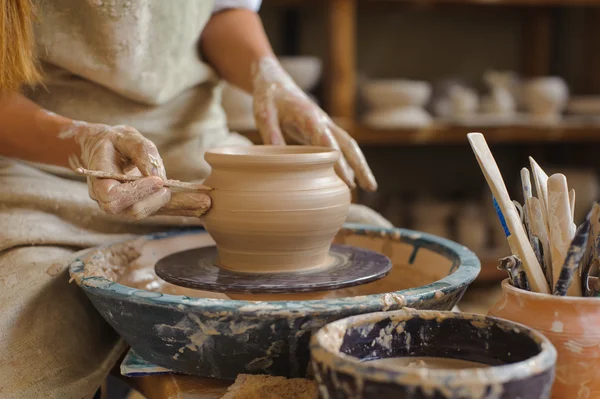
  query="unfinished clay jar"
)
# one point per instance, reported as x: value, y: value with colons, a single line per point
x: 572, y: 324
x: 275, y: 208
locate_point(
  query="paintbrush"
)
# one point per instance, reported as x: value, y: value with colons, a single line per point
x: 560, y: 224
x: 569, y: 281
x: 128, y: 178
x: 517, y: 238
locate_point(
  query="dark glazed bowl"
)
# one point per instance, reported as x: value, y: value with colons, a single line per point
x: 222, y: 338
x: 521, y: 361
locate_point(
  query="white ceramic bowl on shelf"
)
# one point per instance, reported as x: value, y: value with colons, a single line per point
x: 393, y: 93
x: 304, y: 70
x: 394, y: 118
x: 546, y: 96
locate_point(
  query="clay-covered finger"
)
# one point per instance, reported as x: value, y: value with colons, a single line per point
x: 141, y: 151
x: 355, y: 157
x: 316, y: 128
x: 114, y: 197
x: 149, y: 205
x: 267, y: 120
x: 186, y: 204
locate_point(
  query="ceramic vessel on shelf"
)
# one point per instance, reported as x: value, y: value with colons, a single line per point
x: 545, y: 98
x: 274, y: 208
x: 457, y: 102
x: 501, y: 100
x: 394, y: 93
x: 426, y: 354
x: 237, y: 105
x: 572, y: 324
x: 304, y: 70
x: 397, y: 118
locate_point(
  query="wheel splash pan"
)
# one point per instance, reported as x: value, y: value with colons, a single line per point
x: 212, y: 335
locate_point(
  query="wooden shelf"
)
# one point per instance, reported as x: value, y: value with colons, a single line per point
x: 534, y: 3
x: 450, y: 135
x: 444, y: 134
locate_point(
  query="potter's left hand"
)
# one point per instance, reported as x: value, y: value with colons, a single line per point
x: 282, y: 108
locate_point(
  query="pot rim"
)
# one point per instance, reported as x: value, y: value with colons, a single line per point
x: 465, y: 269
x: 269, y: 155
x: 321, y: 347
x: 575, y: 300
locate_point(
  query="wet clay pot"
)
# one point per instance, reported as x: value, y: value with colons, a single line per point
x: 275, y: 208
x: 572, y: 324
x: 465, y: 356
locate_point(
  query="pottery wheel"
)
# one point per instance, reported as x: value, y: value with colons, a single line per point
x: 197, y: 268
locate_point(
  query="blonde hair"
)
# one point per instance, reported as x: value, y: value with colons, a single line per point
x: 18, y: 65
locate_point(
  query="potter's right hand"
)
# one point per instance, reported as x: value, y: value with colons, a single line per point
x: 121, y: 150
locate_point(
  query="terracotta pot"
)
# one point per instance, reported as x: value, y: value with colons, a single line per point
x: 572, y: 324
x: 275, y: 208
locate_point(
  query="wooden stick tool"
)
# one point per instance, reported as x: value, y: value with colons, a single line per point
x: 127, y: 178
x: 560, y: 225
x: 517, y: 237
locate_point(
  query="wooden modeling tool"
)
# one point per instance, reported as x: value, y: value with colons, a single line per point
x: 534, y: 240
x: 569, y: 281
x: 572, y: 204
x: 526, y: 184
x: 539, y: 232
x: 127, y: 178
x: 541, y: 183
x: 516, y: 234
x: 559, y: 222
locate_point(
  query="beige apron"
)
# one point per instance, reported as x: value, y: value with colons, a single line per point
x: 117, y: 62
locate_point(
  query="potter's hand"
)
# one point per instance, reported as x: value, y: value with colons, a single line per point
x: 121, y: 150
x: 282, y: 108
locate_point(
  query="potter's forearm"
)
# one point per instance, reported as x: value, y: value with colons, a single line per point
x: 30, y: 133
x: 232, y: 41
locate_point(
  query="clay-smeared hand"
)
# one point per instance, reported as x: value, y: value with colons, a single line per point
x: 121, y: 150
x: 282, y: 108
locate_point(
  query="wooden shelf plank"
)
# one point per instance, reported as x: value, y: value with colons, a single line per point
x: 441, y: 134
x: 535, y: 3
x: 444, y: 134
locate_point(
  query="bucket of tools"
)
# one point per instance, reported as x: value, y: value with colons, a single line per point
x: 553, y: 283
